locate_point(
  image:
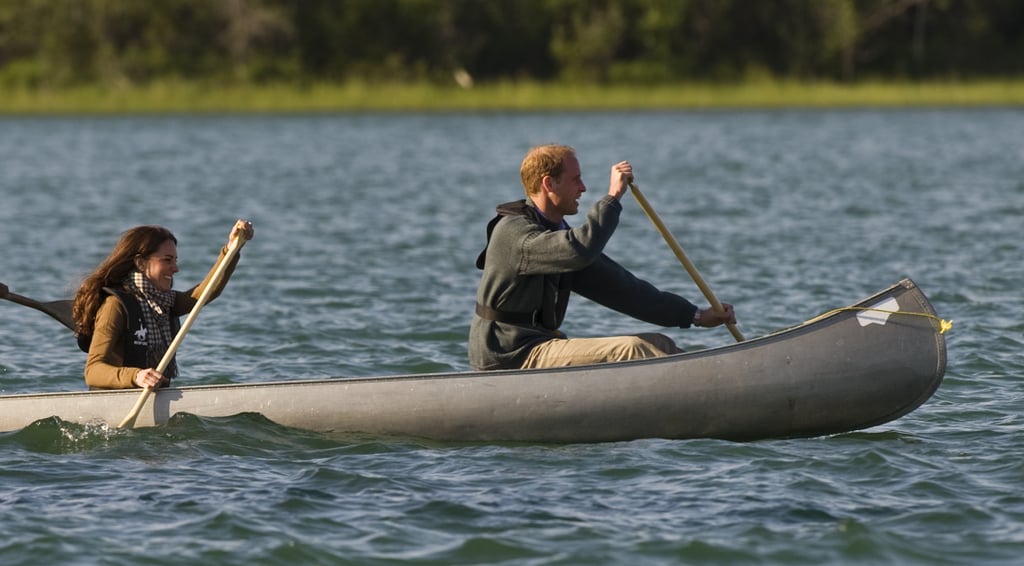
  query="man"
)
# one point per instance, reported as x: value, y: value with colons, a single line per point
x: 533, y: 260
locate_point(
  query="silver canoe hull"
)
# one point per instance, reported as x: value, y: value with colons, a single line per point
x: 848, y: 370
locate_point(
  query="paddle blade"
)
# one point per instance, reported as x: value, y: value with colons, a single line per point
x: 58, y: 310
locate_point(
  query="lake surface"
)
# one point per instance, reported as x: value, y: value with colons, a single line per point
x: 367, y: 227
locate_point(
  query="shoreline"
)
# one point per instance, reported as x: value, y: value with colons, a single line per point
x: 354, y: 97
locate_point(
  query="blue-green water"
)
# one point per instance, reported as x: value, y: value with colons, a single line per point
x: 366, y: 231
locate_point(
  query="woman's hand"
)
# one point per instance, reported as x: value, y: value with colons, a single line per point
x: 241, y: 228
x: 148, y: 377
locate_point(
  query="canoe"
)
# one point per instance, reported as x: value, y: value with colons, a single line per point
x: 850, y: 369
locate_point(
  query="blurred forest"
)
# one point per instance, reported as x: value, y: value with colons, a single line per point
x: 58, y: 43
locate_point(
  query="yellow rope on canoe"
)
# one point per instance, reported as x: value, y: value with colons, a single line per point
x: 944, y: 325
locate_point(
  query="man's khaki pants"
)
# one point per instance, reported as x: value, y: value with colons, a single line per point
x: 562, y: 352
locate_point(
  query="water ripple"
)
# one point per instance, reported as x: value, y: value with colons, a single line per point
x: 367, y: 228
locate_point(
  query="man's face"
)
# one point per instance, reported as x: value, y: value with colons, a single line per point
x: 566, y: 189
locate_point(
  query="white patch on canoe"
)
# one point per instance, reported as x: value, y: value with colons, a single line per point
x: 876, y: 316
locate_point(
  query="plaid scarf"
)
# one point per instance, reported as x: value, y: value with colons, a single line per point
x: 156, y: 316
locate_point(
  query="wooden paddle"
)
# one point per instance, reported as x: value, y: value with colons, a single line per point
x: 672, y: 243
x: 59, y: 310
x: 236, y: 244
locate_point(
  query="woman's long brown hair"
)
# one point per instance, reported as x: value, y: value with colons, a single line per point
x: 135, y: 244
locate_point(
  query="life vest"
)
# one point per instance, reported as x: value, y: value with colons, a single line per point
x: 135, y: 341
x: 557, y: 287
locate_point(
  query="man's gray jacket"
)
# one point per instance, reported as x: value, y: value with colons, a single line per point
x: 529, y: 267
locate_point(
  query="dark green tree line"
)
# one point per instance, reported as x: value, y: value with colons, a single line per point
x: 67, y: 42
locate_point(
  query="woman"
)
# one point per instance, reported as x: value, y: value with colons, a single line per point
x: 126, y: 313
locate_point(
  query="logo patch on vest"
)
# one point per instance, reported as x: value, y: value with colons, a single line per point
x: 140, y: 336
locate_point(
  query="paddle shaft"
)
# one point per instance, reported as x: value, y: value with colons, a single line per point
x: 681, y: 255
x: 218, y: 274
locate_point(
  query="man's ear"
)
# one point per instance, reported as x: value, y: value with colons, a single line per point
x: 546, y: 183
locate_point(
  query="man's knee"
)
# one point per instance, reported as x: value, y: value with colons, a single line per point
x: 659, y: 344
x: 647, y: 345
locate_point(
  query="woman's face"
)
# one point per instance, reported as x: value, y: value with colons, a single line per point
x: 162, y: 265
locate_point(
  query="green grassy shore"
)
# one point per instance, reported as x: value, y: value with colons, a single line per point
x: 170, y: 97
